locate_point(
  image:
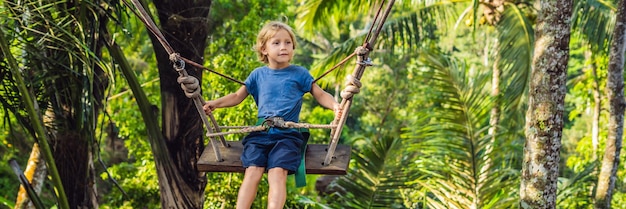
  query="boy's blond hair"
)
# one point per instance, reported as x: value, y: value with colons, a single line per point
x: 266, y: 33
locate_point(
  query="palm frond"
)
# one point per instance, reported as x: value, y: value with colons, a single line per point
x: 402, y: 32
x: 454, y: 168
x: 575, y: 189
x: 594, y: 20
x: 376, y: 178
x: 319, y: 13
x: 515, y: 49
x: 10, y: 99
x: 60, y: 51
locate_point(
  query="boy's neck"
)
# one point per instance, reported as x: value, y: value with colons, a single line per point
x: 277, y: 66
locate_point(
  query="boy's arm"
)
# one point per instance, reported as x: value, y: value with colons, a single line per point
x: 325, y: 99
x: 228, y: 100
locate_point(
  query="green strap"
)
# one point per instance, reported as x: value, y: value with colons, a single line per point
x: 300, y: 175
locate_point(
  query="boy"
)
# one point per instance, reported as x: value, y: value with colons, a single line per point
x: 277, y: 89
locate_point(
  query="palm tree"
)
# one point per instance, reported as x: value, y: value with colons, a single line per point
x: 615, y: 86
x: 544, y: 121
x: 61, y: 47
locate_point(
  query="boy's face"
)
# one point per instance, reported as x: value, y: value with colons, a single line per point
x: 279, y: 50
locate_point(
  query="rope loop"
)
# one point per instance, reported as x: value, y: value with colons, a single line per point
x: 190, y: 85
x: 362, y: 58
x: 361, y: 50
x: 179, y: 63
x: 353, y: 86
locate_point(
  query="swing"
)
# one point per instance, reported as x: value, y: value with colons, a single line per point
x: 224, y: 156
x: 313, y: 159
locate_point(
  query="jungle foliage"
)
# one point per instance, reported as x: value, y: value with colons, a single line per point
x: 419, y: 128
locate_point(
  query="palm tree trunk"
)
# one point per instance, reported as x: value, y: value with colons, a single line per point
x: 72, y: 154
x: 493, y: 13
x: 615, y: 94
x: 494, y: 121
x: 544, y: 118
x: 597, y: 104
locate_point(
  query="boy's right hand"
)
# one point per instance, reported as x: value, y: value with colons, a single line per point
x: 209, y: 107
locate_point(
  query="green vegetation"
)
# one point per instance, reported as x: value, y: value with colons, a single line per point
x: 420, y: 128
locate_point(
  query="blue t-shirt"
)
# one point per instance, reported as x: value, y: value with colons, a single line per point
x: 279, y: 92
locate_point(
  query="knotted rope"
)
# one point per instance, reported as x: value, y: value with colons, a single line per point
x: 287, y: 124
x: 353, y: 84
x: 190, y: 85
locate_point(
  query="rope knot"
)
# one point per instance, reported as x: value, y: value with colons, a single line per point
x: 190, y: 85
x: 179, y: 64
x: 362, y: 58
x: 361, y: 51
x: 353, y: 86
x: 277, y: 122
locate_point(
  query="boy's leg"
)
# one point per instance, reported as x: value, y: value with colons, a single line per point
x: 249, y: 186
x: 277, y: 178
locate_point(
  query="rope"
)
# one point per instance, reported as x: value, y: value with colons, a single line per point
x: 369, y: 33
x: 354, y: 84
x: 143, y: 16
x: 307, y: 125
x: 288, y: 124
x: 190, y: 85
x: 334, y: 67
x: 241, y: 131
x: 179, y: 66
x: 192, y: 63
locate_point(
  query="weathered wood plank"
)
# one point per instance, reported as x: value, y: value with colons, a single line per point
x: 314, y: 159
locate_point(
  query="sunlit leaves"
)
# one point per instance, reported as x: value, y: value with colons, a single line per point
x: 455, y: 170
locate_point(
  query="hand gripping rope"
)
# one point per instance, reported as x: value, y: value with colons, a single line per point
x: 353, y: 84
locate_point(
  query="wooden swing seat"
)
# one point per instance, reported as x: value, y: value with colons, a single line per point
x: 314, y: 159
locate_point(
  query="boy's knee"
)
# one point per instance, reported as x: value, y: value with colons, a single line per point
x: 254, y: 172
x: 255, y: 169
x: 278, y: 170
x: 277, y: 173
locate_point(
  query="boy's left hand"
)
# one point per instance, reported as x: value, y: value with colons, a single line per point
x: 338, y: 110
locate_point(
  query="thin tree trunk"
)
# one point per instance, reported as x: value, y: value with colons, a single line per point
x: 494, y: 118
x: 615, y: 94
x: 544, y: 118
x: 186, y: 27
x: 494, y: 121
x: 36, y: 174
x: 597, y: 104
x: 493, y: 12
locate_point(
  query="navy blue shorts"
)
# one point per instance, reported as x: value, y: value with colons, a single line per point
x: 273, y: 148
